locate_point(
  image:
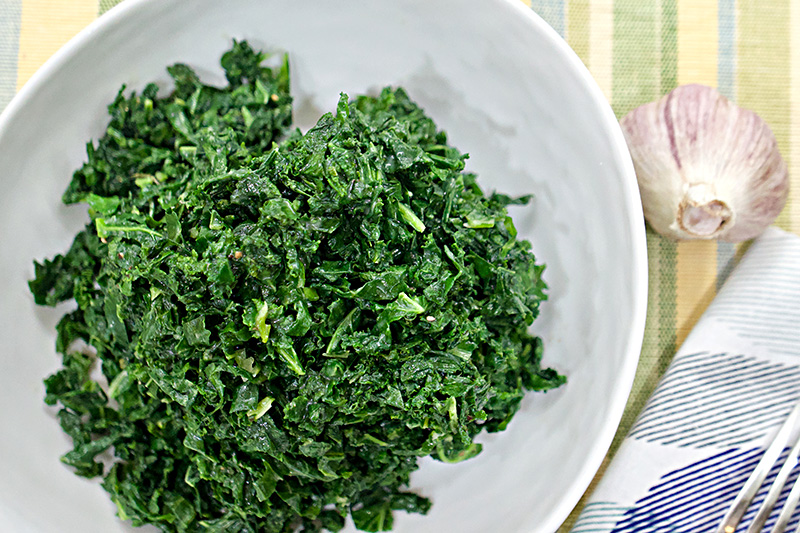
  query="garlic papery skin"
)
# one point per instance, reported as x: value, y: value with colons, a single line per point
x: 707, y: 169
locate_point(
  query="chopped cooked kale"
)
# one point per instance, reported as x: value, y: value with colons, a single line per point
x: 286, y: 322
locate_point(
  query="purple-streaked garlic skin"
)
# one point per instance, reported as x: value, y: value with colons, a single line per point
x: 707, y: 169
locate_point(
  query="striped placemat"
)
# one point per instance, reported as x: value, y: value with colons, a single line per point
x: 728, y: 389
x: 637, y: 50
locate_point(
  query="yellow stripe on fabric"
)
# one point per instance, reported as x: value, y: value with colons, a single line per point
x: 698, y: 42
x: 601, y: 39
x: 696, y: 276
x: 765, y: 73
x: 45, y: 25
x: 526, y: 2
x: 793, y: 209
x: 696, y: 283
x: 577, y: 15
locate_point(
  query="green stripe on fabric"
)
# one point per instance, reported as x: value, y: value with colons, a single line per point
x: 9, y: 49
x: 669, y: 46
x: 577, y: 31
x: 764, y: 70
x: 666, y: 262
x: 105, y: 5
x: 645, y: 67
x: 636, y: 54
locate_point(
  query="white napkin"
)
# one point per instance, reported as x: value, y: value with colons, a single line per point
x: 726, y: 392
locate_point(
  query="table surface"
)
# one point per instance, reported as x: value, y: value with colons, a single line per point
x: 637, y: 50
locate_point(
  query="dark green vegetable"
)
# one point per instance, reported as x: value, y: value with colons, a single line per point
x: 284, y: 328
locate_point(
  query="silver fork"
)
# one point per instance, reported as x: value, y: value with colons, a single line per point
x: 753, y: 484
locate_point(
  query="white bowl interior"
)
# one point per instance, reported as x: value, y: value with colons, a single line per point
x: 507, y: 90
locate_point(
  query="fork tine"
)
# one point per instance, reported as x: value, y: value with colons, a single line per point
x: 753, y: 483
x: 788, y: 509
x: 775, y: 489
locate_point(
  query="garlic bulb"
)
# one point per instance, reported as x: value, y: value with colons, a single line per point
x: 707, y: 169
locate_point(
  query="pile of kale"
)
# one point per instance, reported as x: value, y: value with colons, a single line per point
x: 284, y: 322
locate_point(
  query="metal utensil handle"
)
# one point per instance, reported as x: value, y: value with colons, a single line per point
x: 788, y: 509
x: 775, y: 489
x: 753, y: 483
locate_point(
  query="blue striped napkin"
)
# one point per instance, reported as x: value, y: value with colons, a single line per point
x: 725, y: 394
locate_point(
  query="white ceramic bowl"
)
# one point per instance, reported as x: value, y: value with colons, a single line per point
x: 507, y: 89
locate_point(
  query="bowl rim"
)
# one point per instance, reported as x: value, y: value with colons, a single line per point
x: 639, y: 281
x: 631, y: 200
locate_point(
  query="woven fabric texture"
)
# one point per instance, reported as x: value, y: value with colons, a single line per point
x: 637, y: 50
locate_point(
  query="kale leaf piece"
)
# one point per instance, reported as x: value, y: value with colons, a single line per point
x: 284, y: 322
